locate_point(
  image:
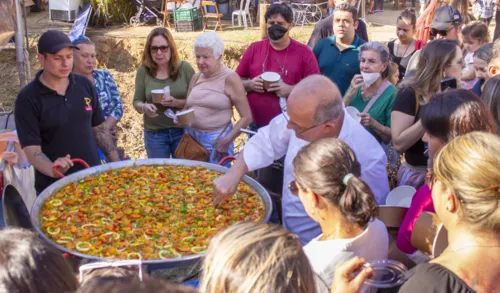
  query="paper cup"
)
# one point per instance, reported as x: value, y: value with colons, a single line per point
x: 270, y: 78
x: 157, y: 96
x: 353, y: 112
x: 186, y: 118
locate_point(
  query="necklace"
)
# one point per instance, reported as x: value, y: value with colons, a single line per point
x: 282, y: 66
x: 406, y: 50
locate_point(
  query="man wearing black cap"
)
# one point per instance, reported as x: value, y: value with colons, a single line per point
x: 58, y: 116
x: 446, y: 24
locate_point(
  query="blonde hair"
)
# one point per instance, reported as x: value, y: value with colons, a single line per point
x: 253, y: 257
x: 322, y: 166
x: 470, y: 166
x: 433, y: 60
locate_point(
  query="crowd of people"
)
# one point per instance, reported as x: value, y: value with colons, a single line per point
x: 433, y: 105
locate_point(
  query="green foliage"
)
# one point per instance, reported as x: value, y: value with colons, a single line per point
x: 105, y: 11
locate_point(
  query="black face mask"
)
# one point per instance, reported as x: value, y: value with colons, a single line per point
x: 276, y: 32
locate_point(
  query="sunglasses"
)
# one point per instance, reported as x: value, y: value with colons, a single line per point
x: 163, y: 49
x: 435, y: 32
x: 294, y: 188
x: 101, y: 265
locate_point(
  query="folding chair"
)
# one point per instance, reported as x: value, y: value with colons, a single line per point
x: 209, y: 15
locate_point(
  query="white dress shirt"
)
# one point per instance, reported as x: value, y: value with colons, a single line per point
x: 275, y: 141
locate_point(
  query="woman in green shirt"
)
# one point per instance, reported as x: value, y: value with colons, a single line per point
x: 371, y: 92
x: 161, y: 67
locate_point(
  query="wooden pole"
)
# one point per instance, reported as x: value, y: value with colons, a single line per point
x: 262, y: 21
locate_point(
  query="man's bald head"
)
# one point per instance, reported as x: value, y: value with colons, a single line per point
x: 318, y: 94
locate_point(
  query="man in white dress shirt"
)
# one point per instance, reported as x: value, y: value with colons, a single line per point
x: 314, y: 111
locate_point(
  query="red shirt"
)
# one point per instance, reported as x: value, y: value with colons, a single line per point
x: 293, y: 64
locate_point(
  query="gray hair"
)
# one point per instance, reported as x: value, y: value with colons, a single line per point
x: 210, y: 40
x: 328, y: 111
x: 382, y: 51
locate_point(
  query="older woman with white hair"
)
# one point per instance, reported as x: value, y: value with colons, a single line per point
x: 212, y: 94
x: 371, y: 92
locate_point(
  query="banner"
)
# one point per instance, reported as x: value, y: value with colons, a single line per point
x: 7, y: 20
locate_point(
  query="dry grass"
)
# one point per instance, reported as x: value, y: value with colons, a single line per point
x: 120, y: 51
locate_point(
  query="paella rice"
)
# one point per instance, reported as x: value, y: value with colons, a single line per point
x: 146, y: 212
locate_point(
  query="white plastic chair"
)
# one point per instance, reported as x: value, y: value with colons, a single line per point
x: 243, y: 12
x: 400, y: 196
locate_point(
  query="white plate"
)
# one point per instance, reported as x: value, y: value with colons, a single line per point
x: 400, y: 196
x: 353, y: 112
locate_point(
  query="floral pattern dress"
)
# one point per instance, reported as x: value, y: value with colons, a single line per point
x: 109, y: 99
x: 107, y: 91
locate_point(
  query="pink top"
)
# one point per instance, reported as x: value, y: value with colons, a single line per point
x: 293, y: 64
x: 421, y: 202
x: 213, y: 109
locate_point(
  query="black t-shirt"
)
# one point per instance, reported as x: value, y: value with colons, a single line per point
x: 61, y: 125
x: 406, y: 102
x: 433, y: 278
x: 324, y: 28
x: 402, y: 62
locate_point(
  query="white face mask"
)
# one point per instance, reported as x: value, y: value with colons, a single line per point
x: 370, y: 78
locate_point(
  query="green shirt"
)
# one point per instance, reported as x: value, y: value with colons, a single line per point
x: 339, y: 66
x: 380, y: 110
x: 145, y: 83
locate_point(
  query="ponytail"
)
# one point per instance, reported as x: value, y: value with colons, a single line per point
x: 329, y: 168
x: 357, y: 204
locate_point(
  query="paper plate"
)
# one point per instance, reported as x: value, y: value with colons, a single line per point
x: 400, y: 196
x: 353, y: 112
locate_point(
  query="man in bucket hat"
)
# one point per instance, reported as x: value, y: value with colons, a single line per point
x: 58, y: 116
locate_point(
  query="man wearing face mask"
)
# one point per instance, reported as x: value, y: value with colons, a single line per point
x: 337, y: 55
x: 279, y: 53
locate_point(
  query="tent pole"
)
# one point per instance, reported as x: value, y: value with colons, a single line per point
x: 20, y: 45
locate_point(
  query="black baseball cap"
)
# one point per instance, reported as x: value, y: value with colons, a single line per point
x: 53, y: 41
x: 444, y: 16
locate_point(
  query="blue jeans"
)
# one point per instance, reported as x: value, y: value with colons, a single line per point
x: 162, y: 144
x: 207, y: 139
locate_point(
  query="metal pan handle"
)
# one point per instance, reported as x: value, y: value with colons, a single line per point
x: 80, y: 161
x: 225, y: 159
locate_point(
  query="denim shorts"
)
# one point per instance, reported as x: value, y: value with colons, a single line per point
x: 207, y: 139
x: 162, y: 144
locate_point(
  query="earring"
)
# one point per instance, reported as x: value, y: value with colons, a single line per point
x: 448, y: 208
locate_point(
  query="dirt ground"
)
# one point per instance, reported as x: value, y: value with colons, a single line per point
x: 119, y: 49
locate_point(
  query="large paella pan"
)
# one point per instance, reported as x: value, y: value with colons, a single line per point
x: 157, y: 210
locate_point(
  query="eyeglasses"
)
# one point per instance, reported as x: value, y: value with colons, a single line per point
x: 285, y: 114
x: 163, y: 49
x: 294, y: 188
x: 100, y: 265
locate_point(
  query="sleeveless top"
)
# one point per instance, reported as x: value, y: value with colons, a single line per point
x: 402, y: 62
x: 213, y: 109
